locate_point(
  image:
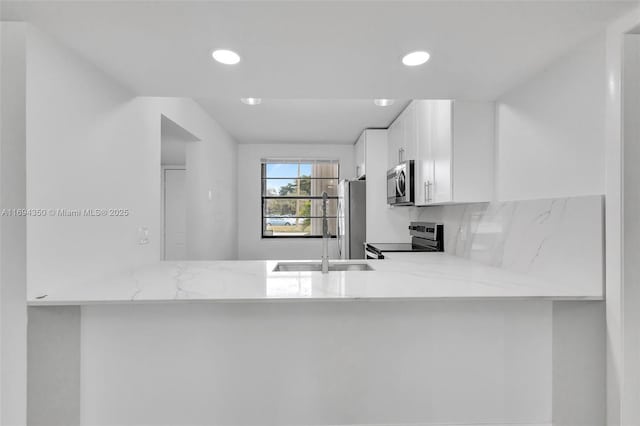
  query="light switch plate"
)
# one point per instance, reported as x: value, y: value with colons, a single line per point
x: 143, y: 235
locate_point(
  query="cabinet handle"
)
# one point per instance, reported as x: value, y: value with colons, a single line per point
x: 426, y: 197
x: 357, y: 172
x: 429, y: 185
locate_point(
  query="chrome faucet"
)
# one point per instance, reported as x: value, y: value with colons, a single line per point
x: 325, y: 235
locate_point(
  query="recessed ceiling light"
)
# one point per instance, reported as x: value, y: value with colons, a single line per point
x: 227, y: 57
x: 415, y: 58
x: 251, y: 101
x: 383, y: 102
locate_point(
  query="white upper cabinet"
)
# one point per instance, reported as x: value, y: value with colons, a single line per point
x: 433, y: 152
x: 402, y: 137
x: 395, y: 142
x: 452, y: 145
x: 455, y: 152
x: 410, y: 134
x: 360, y: 155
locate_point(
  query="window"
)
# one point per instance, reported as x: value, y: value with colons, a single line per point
x: 292, y: 197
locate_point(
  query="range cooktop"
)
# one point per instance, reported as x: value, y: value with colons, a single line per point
x: 425, y: 237
x: 397, y: 247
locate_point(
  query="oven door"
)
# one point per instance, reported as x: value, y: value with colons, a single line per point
x: 402, y: 185
x: 371, y: 253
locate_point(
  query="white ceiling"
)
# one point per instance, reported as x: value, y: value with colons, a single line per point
x: 301, y: 120
x: 317, y: 53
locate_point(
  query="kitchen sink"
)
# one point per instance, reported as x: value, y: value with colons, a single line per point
x: 317, y: 266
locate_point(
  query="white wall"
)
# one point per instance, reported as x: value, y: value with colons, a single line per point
x: 87, y: 147
x: 13, y: 308
x: 621, y: 393
x: 250, y: 243
x: 585, y: 174
x: 550, y: 130
x: 210, y: 164
x: 631, y: 227
x: 92, y: 145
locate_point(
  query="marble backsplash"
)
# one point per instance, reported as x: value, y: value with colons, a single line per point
x: 555, y: 239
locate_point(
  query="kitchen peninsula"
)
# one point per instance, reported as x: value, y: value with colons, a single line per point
x: 463, y: 342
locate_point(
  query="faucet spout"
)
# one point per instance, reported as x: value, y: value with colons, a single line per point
x: 325, y: 234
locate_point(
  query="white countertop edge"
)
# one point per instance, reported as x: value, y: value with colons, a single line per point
x: 320, y: 300
x: 430, y: 276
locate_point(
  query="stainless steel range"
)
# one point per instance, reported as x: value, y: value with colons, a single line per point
x: 425, y: 237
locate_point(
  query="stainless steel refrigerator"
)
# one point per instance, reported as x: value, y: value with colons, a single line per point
x: 352, y: 215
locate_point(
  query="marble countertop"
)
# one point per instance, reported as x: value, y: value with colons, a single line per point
x: 403, y: 276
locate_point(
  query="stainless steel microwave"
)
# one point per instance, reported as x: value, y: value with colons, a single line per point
x: 400, y: 184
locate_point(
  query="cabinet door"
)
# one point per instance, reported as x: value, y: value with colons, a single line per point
x: 441, y: 140
x: 423, y: 172
x: 400, y: 143
x: 394, y: 142
x: 410, y: 134
x: 360, y: 155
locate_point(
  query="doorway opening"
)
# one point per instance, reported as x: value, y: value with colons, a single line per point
x: 174, y: 168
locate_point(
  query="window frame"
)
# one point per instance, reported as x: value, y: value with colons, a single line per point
x: 264, y: 197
